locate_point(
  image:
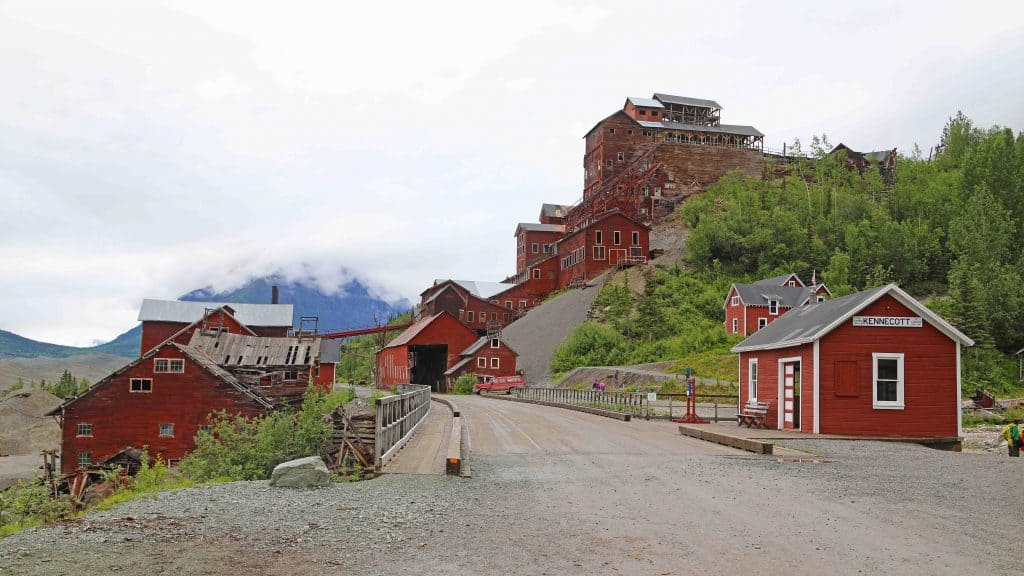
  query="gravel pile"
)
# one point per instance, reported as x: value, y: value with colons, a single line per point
x: 341, y: 523
x: 536, y: 335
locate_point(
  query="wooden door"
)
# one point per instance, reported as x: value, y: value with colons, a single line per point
x: 790, y: 395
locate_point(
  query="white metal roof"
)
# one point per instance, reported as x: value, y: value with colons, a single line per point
x: 182, y: 311
x: 479, y: 288
x: 645, y: 102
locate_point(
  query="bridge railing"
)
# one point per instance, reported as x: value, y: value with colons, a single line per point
x: 398, y: 417
x: 713, y: 407
x: 626, y: 402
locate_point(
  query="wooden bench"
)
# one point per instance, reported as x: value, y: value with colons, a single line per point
x: 753, y: 415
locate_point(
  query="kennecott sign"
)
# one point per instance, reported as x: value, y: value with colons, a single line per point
x: 888, y: 321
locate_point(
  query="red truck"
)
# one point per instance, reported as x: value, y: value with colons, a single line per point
x: 499, y: 384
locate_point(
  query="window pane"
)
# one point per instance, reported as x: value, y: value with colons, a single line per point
x: 888, y: 369
x: 886, y: 390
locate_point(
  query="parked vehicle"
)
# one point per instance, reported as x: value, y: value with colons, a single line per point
x: 499, y: 384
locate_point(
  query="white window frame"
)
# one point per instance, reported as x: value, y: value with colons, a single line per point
x: 821, y: 298
x: 635, y: 238
x: 131, y: 386
x: 87, y: 431
x: 761, y: 323
x: 899, y: 403
x: 170, y: 365
x: 599, y: 253
x: 495, y: 363
x: 470, y: 315
x: 536, y: 273
x: 735, y: 325
x: 83, y: 459
x: 773, y: 307
x: 735, y: 301
x: 495, y: 343
x: 598, y: 237
x: 752, y: 375
x: 481, y: 362
x: 617, y: 238
x: 534, y: 247
x: 161, y: 430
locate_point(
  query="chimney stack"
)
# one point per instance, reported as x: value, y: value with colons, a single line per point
x: 273, y: 295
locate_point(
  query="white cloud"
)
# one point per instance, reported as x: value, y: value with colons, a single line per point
x: 146, y: 150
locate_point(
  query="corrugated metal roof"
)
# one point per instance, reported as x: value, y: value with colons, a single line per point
x: 760, y: 294
x: 533, y: 227
x: 687, y: 101
x: 555, y: 210
x: 229, y: 349
x: 777, y: 280
x: 411, y: 332
x: 807, y: 324
x: 458, y: 366
x: 330, y: 352
x: 734, y: 129
x: 645, y: 102
x: 484, y: 289
x: 248, y: 314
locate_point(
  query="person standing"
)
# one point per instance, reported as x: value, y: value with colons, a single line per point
x: 1012, y: 434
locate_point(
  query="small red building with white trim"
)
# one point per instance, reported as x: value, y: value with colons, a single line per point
x: 750, y: 307
x: 488, y: 356
x: 874, y: 363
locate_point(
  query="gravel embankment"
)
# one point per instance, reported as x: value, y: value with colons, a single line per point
x: 536, y: 335
x: 341, y: 525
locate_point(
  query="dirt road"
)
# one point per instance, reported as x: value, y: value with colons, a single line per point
x: 558, y: 492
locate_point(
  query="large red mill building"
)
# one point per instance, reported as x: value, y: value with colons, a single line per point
x: 639, y: 162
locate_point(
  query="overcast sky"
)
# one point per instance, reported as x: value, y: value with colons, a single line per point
x: 147, y: 149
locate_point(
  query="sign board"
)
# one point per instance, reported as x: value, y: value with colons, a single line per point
x: 888, y: 321
x: 652, y: 396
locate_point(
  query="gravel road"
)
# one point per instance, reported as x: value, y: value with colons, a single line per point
x: 557, y: 492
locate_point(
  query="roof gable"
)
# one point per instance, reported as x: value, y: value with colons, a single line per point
x: 419, y: 326
x: 197, y: 358
x: 804, y: 325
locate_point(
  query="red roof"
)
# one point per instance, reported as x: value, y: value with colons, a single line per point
x: 414, y: 330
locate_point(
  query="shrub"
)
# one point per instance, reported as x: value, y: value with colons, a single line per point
x: 464, y: 384
x: 241, y: 448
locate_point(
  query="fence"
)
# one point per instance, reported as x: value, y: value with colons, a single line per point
x: 398, y: 417
x: 713, y: 407
x: 626, y: 402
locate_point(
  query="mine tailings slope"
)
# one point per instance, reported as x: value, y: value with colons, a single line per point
x: 536, y: 335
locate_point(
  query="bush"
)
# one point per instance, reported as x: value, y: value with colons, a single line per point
x: 241, y: 448
x: 464, y: 384
x: 29, y: 504
x: 591, y: 344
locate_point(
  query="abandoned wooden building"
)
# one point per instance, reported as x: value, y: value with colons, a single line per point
x: 883, y: 160
x: 164, y: 398
x: 424, y: 352
x: 163, y: 318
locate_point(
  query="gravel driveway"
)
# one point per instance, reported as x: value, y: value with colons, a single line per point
x: 557, y: 493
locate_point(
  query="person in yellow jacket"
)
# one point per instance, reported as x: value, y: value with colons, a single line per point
x: 1012, y: 434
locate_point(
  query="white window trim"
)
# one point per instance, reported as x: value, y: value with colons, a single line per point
x: 481, y: 362
x: 735, y: 301
x: 169, y: 369
x: 495, y: 363
x: 735, y: 325
x: 617, y: 237
x: 899, y: 404
x: 752, y: 376
x: 160, y: 430
x: 776, y: 311
x: 78, y: 430
x: 761, y: 323
x: 150, y: 391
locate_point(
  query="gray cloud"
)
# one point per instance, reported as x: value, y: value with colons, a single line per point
x: 146, y: 150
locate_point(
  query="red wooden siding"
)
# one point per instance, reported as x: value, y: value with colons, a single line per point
x: 768, y: 382
x: 121, y: 418
x: 393, y: 361
x: 324, y: 377
x: 930, y: 378
x: 506, y: 362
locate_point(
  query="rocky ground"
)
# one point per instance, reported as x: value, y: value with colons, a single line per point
x: 556, y: 493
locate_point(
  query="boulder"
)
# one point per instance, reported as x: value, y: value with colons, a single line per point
x: 302, y: 473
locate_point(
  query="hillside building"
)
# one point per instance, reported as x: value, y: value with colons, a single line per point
x: 751, y: 307
x: 874, y: 363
